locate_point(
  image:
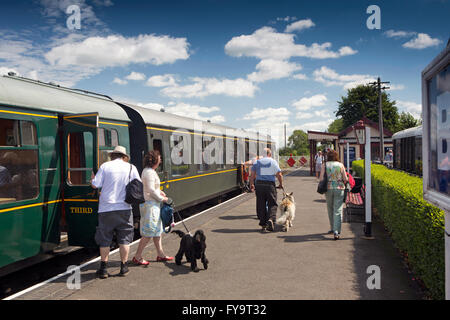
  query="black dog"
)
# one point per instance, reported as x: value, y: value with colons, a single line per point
x: 193, y: 247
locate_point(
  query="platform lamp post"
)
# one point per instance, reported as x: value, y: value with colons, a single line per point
x: 363, y: 137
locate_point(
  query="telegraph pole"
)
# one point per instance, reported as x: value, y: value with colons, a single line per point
x: 380, y: 115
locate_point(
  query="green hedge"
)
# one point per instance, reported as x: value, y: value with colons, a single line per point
x: 416, y: 226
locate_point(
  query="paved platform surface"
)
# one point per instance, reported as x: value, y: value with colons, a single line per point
x: 305, y: 263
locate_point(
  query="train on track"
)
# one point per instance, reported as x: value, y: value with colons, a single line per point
x: 408, y: 150
x: 53, y: 138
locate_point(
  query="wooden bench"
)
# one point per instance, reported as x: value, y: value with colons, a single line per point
x: 355, y: 200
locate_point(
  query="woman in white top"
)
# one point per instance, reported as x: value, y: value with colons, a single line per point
x: 151, y: 223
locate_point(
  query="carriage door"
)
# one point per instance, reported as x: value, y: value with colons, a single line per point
x: 80, y: 160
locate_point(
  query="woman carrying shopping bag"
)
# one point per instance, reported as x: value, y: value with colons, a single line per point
x: 151, y: 222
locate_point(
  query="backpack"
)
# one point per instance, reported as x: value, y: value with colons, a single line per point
x: 167, y: 217
x: 134, y: 191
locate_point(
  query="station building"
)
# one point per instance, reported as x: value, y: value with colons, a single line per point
x: 339, y: 142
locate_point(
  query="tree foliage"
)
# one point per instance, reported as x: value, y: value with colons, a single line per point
x: 406, y: 120
x: 336, y: 126
x: 297, y: 144
x: 363, y: 101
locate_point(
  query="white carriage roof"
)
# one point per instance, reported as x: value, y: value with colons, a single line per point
x: 173, y: 121
x: 20, y: 92
x: 411, y: 132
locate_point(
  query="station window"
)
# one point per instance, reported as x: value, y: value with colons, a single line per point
x: 19, y: 174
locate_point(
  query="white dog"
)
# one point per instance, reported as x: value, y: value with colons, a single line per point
x: 287, y: 210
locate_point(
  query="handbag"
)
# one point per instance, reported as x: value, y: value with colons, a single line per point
x: 134, y: 191
x: 167, y: 217
x: 323, y: 184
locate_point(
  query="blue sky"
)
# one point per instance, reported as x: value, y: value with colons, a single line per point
x: 246, y: 64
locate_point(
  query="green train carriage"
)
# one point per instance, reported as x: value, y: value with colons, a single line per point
x: 53, y: 138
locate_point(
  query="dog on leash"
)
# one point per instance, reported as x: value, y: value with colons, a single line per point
x: 287, y: 210
x: 193, y: 248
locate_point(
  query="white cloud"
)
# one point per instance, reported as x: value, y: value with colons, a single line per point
x: 117, y: 50
x: 135, y: 76
x: 287, y: 19
x: 274, y: 113
x: 347, y: 51
x: 305, y: 104
x: 412, y: 107
x: 421, y: 41
x: 329, y: 77
x: 300, y: 76
x: 54, y: 10
x: 166, y: 80
x: 315, y: 114
x: 181, y: 109
x: 316, y: 126
x: 5, y: 71
x: 300, y: 25
x: 202, y: 87
x: 269, y: 121
x: 273, y: 69
x: 103, y: 3
x: 120, y: 81
x: 396, y: 86
x: 304, y: 115
x: 195, y: 111
x: 399, y: 34
x: 267, y: 43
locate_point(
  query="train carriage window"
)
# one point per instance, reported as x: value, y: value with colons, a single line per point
x: 418, y: 156
x: 101, y: 137
x: 108, y: 139
x: 204, y: 166
x: 157, y: 146
x: 80, y: 158
x: 114, y: 138
x: 28, y: 133
x: 221, y: 153
x: 19, y: 174
x: 179, y: 167
x: 9, y: 133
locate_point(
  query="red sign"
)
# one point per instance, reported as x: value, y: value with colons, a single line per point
x: 291, y: 162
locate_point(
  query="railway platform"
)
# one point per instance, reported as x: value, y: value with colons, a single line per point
x: 246, y: 264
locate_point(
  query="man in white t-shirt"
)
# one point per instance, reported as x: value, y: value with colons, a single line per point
x: 114, y: 214
x: 318, y: 159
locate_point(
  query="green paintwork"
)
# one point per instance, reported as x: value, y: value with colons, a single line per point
x: 25, y: 232
x: 81, y: 201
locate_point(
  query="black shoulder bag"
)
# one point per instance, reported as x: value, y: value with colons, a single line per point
x: 134, y: 190
x: 323, y: 184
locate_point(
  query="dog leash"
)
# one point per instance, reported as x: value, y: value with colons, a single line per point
x: 179, y: 216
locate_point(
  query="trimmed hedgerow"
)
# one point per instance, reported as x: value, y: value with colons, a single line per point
x: 416, y: 226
